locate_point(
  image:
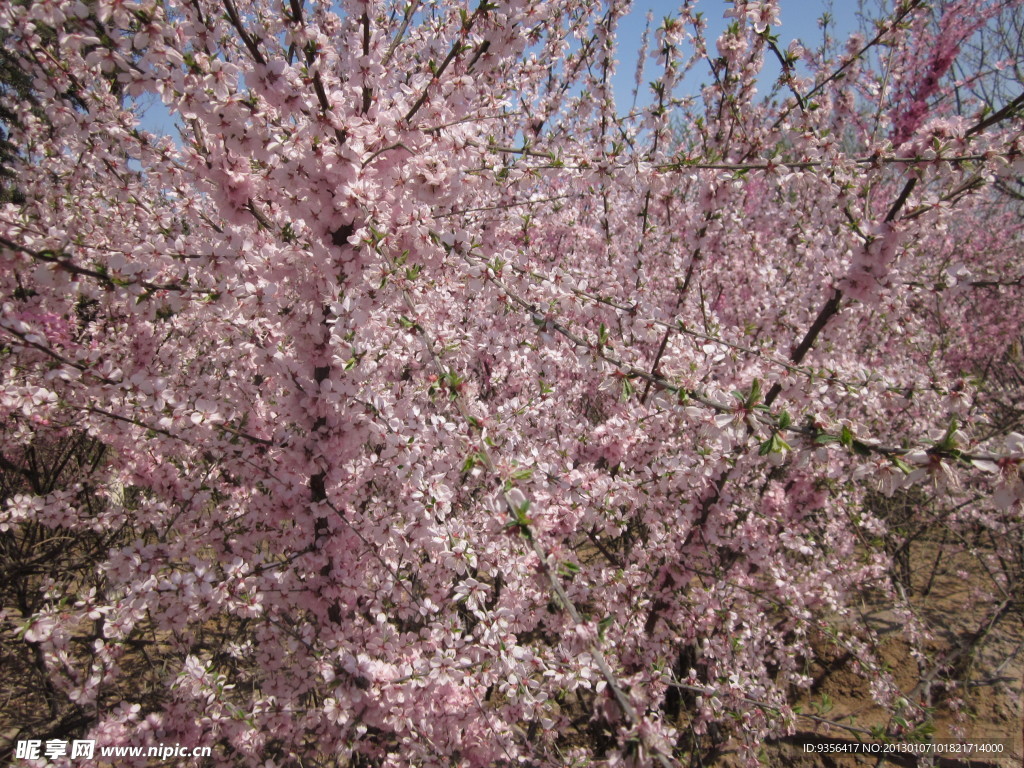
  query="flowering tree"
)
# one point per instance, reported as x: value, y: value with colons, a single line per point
x: 418, y: 408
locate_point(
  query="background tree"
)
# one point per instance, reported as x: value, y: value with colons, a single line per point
x: 431, y: 411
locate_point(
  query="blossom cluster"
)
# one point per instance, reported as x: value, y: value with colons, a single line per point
x: 416, y: 407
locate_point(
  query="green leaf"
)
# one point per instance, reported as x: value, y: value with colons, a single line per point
x: 754, y: 397
x: 948, y: 442
x: 903, y: 466
x: 627, y: 389
x: 569, y: 569
x: 774, y: 444
x: 471, y: 461
x: 861, y: 449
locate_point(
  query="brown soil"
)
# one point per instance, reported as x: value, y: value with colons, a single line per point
x: 992, y: 677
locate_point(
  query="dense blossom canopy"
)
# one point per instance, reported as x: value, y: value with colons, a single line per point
x: 417, y: 407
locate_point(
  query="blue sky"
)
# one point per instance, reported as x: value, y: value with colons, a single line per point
x: 799, y: 20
